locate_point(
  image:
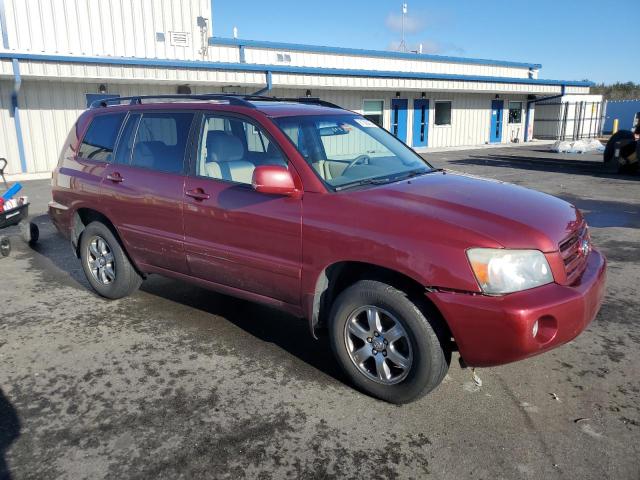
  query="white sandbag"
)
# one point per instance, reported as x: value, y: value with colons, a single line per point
x: 579, y: 146
x: 561, y: 146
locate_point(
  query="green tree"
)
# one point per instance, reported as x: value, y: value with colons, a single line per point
x: 618, y: 91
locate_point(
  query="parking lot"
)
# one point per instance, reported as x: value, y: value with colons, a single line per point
x: 180, y: 382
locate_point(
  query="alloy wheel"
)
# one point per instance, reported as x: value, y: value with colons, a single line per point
x: 100, y: 260
x: 378, y: 345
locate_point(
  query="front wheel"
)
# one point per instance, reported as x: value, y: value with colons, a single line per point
x: 105, y: 263
x: 385, y: 343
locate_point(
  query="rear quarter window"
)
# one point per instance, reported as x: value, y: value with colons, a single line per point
x: 99, y: 141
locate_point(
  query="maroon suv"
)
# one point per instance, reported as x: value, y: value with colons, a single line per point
x: 304, y: 206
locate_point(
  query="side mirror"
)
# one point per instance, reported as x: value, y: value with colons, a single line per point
x: 273, y: 180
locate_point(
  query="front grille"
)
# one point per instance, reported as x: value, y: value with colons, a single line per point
x: 573, y: 252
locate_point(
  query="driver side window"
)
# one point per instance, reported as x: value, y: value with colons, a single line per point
x: 230, y: 149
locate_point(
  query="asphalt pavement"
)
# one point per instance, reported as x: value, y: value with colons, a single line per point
x: 179, y: 382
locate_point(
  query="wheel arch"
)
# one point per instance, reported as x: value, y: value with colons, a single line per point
x: 82, y: 217
x: 334, y: 278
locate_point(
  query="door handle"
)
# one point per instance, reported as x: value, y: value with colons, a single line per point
x: 198, y: 194
x: 115, y: 177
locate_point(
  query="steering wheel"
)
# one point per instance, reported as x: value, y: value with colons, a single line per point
x: 357, y: 160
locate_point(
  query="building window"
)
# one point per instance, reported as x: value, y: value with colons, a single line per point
x: 283, y: 57
x: 443, y: 113
x: 515, y: 112
x: 374, y: 111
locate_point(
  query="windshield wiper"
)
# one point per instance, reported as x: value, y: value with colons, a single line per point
x: 383, y: 180
x: 364, y: 181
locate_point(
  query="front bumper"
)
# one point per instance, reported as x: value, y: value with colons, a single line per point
x: 496, y: 330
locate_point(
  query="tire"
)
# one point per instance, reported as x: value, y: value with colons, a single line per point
x: 609, y: 149
x: 428, y: 356
x: 116, y: 278
x: 5, y: 247
x: 30, y: 232
x: 626, y: 153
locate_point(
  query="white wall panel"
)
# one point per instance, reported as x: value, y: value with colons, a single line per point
x: 325, y: 60
x: 8, y: 141
x: 121, y: 28
x: 48, y: 108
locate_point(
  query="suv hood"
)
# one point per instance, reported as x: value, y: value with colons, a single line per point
x: 512, y: 216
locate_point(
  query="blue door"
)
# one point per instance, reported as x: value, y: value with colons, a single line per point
x: 399, y: 118
x: 497, y: 107
x: 420, y: 122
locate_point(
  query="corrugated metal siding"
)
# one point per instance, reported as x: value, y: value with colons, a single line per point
x: 369, y: 83
x: 8, y: 141
x: 470, y: 122
x: 327, y: 60
x: 128, y: 73
x: 49, y: 109
x: 624, y: 110
x: 105, y: 27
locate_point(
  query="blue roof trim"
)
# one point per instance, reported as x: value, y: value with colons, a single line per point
x: 363, y: 52
x: 252, y: 67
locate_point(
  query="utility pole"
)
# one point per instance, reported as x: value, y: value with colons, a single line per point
x: 403, y: 46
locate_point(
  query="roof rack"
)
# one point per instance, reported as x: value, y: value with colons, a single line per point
x: 313, y: 100
x: 233, y: 99
x: 138, y: 99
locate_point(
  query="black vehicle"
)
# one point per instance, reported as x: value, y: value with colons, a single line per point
x: 623, y: 150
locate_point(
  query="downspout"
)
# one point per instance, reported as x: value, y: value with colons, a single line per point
x: 268, y: 87
x: 17, y: 83
x: 536, y: 100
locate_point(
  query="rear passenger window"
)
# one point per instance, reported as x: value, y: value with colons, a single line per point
x: 100, y: 139
x: 125, y: 144
x: 161, y: 141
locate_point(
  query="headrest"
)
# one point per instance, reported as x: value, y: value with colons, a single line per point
x: 222, y: 147
x: 145, y: 153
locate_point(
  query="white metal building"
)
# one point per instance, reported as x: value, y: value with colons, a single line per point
x: 58, y: 55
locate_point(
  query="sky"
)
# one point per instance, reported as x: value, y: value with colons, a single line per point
x: 572, y: 39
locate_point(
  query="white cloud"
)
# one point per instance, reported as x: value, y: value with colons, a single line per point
x: 412, y: 24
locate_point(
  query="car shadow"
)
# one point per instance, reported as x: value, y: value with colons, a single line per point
x: 262, y: 322
x: 9, y: 432
x: 57, y: 250
x: 546, y: 164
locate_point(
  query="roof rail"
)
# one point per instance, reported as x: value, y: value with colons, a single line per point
x: 233, y: 99
x: 138, y: 99
x: 313, y: 100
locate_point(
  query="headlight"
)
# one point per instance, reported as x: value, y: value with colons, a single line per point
x: 504, y: 271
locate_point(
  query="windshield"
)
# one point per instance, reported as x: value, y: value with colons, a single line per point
x: 350, y: 150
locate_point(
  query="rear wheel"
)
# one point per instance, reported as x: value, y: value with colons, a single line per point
x: 105, y: 263
x: 386, y: 344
